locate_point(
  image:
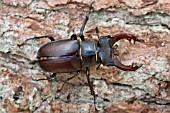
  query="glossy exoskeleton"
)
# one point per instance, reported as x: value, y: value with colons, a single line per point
x: 72, y: 55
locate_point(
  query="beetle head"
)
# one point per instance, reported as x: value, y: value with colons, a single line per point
x: 108, y: 52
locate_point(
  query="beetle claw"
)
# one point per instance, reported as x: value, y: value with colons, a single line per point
x: 136, y: 66
x: 139, y: 40
x: 134, y: 40
x: 121, y: 66
x: 116, y: 62
x: 125, y: 36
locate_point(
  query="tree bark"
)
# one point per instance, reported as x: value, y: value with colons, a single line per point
x: 144, y: 90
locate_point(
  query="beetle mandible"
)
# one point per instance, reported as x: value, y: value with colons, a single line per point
x: 71, y: 55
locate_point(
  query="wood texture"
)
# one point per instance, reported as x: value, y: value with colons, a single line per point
x: 147, y: 90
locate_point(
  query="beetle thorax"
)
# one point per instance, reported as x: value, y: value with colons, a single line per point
x: 89, y: 53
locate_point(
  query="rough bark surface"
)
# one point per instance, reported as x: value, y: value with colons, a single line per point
x: 146, y: 90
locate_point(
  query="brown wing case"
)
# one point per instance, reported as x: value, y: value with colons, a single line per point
x: 59, y: 48
x: 62, y: 64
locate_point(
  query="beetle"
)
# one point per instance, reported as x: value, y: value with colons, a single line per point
x: 72, y: 55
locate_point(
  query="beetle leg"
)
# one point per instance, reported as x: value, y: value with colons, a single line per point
x: 97, y: 32
x: 97, y: 68
x: 49, y: 37
x: 121, y: 66
x: 68, y: 80
x: 125, y: 36
x: 84, y: 23
x: 37, y: 37
x: 48, y: 78
x: 74, y: 37
x: 91, y: 86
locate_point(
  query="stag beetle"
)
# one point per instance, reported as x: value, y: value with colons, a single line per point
x: 71, y: 55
